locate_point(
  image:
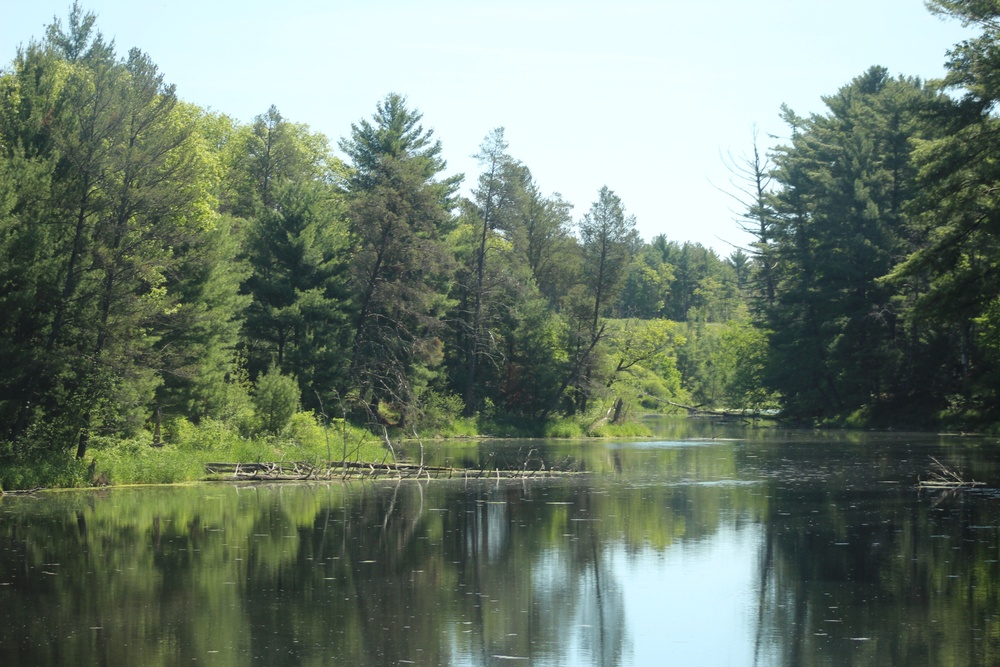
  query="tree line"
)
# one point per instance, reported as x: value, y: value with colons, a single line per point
x: 160, y: 261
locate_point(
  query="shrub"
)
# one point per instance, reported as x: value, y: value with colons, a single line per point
x: 276, y: 400
x: 440, y: 415
x: 54, y: 470
x: 133, y: 461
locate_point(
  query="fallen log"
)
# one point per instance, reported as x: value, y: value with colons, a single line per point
x: 943, y: 477
x: 698, y: 411
x: 21, y: 492
x: 300, y: 471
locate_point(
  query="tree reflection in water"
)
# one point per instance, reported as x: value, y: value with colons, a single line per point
x: 762, y: 550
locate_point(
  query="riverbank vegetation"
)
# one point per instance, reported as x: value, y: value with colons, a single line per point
x: 174, y: 281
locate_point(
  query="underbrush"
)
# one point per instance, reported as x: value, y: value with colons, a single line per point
x: 51, y: 471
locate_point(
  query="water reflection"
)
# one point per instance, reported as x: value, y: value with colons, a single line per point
x: 738, y: 548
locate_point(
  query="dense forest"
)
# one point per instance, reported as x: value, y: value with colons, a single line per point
x: 163, y: 265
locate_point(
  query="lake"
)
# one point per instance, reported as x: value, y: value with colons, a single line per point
x: 715, y: 544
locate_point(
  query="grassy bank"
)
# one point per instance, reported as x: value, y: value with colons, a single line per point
x: 183, y: 452
x: 186, y: 448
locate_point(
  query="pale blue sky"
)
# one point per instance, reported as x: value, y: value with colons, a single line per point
x: 645, y: 97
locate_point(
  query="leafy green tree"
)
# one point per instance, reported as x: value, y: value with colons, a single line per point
x: 268, y: 155
x: 741, y: 361
x: 643, y: 364
x: 704, y: 380
x: 702, y: 286
x: 647, y: 283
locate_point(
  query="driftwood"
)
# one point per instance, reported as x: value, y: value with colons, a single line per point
x: 943, y: 477
x: 22, y: 492
x: 698, y: 411
x: 300, y: 471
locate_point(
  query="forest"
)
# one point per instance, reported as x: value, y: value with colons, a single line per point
x: 168, y: 272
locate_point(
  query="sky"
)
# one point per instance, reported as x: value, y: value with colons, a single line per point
x: 650, y: 98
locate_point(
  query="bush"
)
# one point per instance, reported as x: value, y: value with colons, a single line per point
x: 134, y: 461
x: 628, y: 429
x: 276, y: 401
x: 54, y: 470
x: 440, y: 415
x: 306, y: 440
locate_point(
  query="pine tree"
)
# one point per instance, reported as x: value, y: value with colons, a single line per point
x: 400, y: 213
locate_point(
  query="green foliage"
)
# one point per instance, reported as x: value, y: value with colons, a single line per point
x: 399, y: 278
x: 627, y: 429
x: 116, y: 183
x: 564, y: 427
x: 201, y: 332
x: 742, y: 361
x: 642, y: 365
x: 441, y: 415
x: 608, y: 241
x: 191, y: 446
x: 47, y: 469
x: 189, y: 254
x: 133, y: 461
x: 276, y: 400
x: 846, y: 185
x: 680, y: 282
x: 297, y: 247
x: 161, y: 264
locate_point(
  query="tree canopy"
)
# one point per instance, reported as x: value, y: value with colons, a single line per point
x: 161, y: 261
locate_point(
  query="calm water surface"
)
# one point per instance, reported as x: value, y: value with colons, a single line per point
x: 714, y: 545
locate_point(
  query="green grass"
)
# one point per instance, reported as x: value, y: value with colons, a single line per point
x: 629, y: 429
x: 182, y: 455
x: 186, y: 448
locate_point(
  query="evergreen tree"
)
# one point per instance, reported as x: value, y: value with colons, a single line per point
x: 498, y: 199
x: 125, y: 180
x: 947, y: 284
x: 844, y: 182
x: 608, y: 240
x: 752, y: 180
x: 282, y: 181
x: 542, y: 238
x: 400, y: 213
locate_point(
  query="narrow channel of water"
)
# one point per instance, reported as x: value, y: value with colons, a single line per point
x: 714, y: 545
